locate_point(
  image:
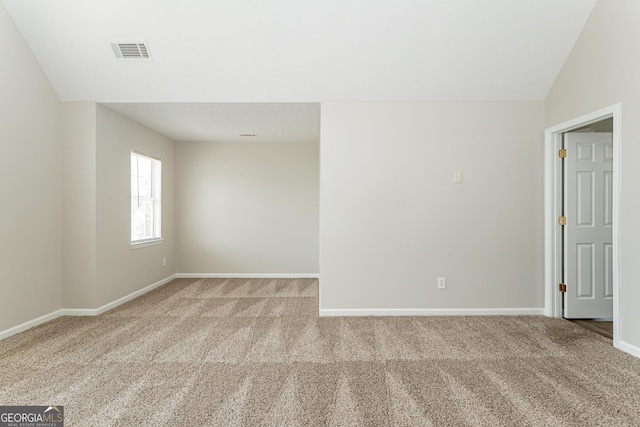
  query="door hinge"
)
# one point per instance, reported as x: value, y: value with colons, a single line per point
x: 562, y: 153
x: 562, y: 287
x: 562, y: 220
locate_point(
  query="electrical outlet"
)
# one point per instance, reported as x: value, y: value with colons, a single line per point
x: 164, y: 261
x: 442, y: 283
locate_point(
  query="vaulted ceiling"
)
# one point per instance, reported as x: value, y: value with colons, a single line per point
x: 299, y: 51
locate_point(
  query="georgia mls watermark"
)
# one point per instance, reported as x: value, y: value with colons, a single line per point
x: 31, y: 416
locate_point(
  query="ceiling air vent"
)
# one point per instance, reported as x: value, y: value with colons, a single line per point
x: 131, y: 51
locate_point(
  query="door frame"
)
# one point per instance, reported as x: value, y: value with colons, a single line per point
x: 553, y: 205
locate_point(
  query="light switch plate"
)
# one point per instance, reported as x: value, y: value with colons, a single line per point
x: 457, y: 177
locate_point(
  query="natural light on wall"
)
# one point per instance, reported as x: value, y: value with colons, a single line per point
x: 146, y: 174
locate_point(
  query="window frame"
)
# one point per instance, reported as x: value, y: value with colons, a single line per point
x: 155, y: 198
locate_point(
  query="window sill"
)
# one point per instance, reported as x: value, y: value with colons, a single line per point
x: 138, y: 245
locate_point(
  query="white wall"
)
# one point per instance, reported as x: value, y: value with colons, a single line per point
x: 78, y: 132
x: 392, y: 220
x: 120, y: 269
x: 247, y: 208
x: 603, y: 70
x: 30, y: 184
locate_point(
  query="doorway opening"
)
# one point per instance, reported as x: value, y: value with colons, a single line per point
x: 582, y: 268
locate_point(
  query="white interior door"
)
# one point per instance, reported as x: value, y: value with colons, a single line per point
x: 588, y: 249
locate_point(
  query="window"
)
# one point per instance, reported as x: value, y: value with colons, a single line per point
x: 146, y: 176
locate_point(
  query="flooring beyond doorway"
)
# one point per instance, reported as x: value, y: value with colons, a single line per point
x: 600, y: 327
x: 255, y: 352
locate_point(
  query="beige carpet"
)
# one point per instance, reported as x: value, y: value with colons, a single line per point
x: 254, y: 352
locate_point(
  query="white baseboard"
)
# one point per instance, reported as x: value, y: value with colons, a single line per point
x: 133, y: 295
x: 434, y: 312
x: 114, y: 304
x: 247, y: 276
x: 78, y: 312
x: 627, y: 348
x: 81, y: 311
x: 30, y: 324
